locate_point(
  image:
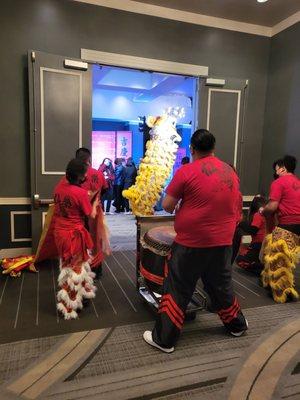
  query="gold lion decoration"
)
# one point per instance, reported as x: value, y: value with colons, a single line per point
x: 157, y: 164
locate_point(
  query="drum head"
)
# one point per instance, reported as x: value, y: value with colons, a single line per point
x: 163, y: 235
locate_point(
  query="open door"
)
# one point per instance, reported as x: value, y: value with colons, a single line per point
x: 60, y: 94
x: 222, y: 111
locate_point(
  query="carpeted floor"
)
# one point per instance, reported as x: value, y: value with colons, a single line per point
x: 27, y: 304
x: 125, y: 367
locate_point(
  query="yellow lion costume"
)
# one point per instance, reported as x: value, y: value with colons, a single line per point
x: 280, y: 255
x: 156, y: 166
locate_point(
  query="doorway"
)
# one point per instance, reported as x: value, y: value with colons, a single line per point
x: 123, y: 98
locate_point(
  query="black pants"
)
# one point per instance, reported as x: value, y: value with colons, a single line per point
x: 236, y: 243
x: 250, y: 260
x: 185, y: 266
x: 118, y: 198
x: 108, y: 195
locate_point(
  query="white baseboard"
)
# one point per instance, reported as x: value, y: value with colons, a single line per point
x: 19, y: 251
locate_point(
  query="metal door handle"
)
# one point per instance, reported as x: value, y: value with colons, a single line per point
x: 37, y: 202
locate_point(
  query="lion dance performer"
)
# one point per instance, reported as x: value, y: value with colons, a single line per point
x: 156, y: 166
x: 72, y: 240
x: 95, y: 185
x: 281, y: 251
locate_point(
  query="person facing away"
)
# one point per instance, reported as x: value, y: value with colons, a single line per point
x: 185, y: 160
x: 118, y: 185
x: 129, y: 179
x: 72, y: 240
x: 204, y: 223
x: 255, y: 225
x: 108, y: 171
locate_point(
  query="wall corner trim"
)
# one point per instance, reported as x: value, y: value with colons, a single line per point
x: 286, y: 23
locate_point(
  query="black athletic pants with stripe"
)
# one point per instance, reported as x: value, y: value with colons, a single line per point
x: 185, y: 266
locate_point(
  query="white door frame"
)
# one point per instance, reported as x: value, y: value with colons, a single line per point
x: 148, y: 64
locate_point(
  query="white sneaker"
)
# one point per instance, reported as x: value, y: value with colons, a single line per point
x: 147, y: 336
x: 240, y: 333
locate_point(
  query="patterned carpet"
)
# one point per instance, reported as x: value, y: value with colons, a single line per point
x: 125, y: 367
x: 121, y: 366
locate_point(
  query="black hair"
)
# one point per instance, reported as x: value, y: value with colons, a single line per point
x: 106, y: 158
x: 203, y: 141
x: 185, y: 160
x: 257, y: 202
x: 75, y: 168
x: 289, y: 162
x: 83, y: 153
x: 130, y: 162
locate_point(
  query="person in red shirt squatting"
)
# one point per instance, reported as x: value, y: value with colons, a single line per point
x: 205, y: 223
x: 256, y: 227
x: 282, y: 247
x: 95, y: 184
x: 72, y: 240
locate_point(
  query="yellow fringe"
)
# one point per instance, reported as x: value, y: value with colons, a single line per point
x: 279, y: 263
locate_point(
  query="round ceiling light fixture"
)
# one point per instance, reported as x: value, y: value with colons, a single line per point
x: 262, y: 1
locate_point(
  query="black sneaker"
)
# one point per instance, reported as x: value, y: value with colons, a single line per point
x: 239, y: 333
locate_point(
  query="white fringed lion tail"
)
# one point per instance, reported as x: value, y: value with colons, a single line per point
x: 74, y: 285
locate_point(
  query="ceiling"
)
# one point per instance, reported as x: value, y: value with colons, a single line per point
x: 267, y: 14
x: 144, y: 86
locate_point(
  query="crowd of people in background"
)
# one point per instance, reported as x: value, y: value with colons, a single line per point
x: 118, y: 177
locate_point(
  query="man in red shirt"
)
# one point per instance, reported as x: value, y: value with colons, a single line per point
x: 285, y: 195
x: 95, y: 184
x: 284, y: 202
x: 72, y: 240
x: 205, y: 222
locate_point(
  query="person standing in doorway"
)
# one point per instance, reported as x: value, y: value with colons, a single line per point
x: 129, y: 180
x: 185, y: 160
x: 108, y: 172
x: 205, y: 222
x: 118, y: 185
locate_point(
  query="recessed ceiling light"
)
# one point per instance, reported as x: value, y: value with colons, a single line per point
x: 261, y: 1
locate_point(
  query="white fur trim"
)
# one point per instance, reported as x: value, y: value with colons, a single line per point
x: 67, y: 315
x: 63, y: 275
x: 63, y: 295
x: 72, y: 285
x: 88, y: 295
x: 92, y: 275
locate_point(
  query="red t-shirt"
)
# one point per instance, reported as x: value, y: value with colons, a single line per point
x: 95, y: 181
x: 286, y: 190
x: 208, y: 214
x: 259, y: 222
x: 72, y: 203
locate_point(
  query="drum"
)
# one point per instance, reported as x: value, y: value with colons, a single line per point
x: 155, y: 248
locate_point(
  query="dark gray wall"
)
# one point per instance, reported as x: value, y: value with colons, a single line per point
x: 63, y: 27
x: 282, y: 120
